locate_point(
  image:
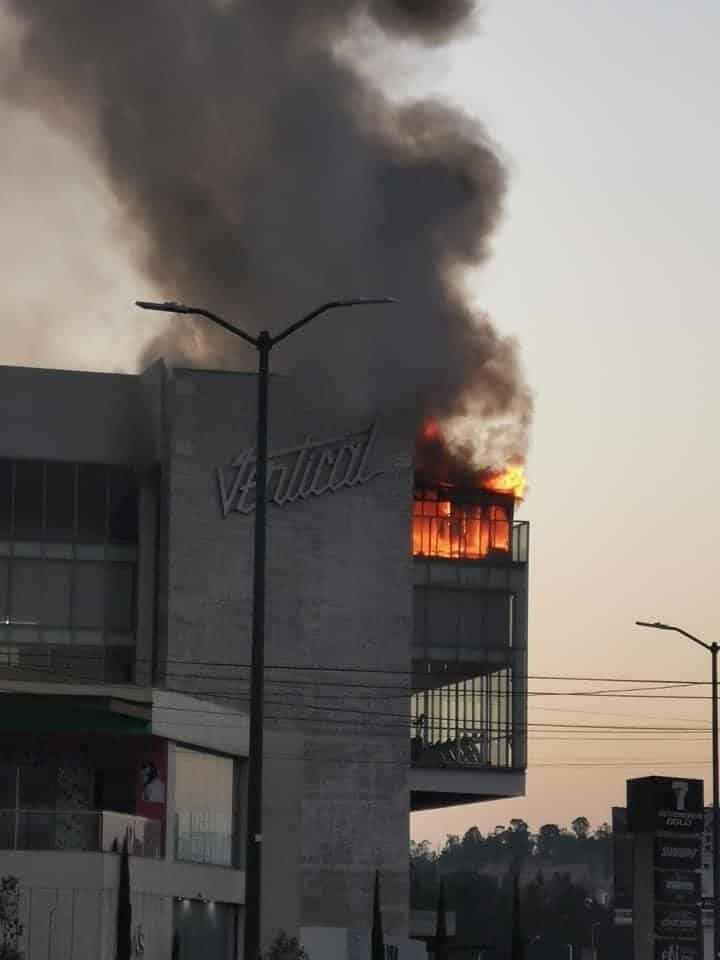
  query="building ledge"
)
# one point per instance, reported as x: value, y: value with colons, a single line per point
x: 431, y: 788
x: 69, y: 870
x: 40, y: 706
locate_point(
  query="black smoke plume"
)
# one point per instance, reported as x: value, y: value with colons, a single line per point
x: 265, y: 175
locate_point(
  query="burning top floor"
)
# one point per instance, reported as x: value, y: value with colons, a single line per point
x: 460, y: 512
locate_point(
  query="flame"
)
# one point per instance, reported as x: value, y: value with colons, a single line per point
x: 510, y: 480
x: 430, y: 431
x: 440, y: 463
x: 441, y: 528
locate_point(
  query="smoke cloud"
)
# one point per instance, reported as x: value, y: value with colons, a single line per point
x: 266, y: 175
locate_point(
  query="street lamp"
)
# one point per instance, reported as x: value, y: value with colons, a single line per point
x: 263, y: 343
x: 712, y: 649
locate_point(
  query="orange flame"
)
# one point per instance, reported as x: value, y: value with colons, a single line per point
x: 450, y: 468
x: 510, y: 480
x: 441, y: 528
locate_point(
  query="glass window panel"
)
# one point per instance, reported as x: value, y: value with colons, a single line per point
x: 204, y: 804
x: 8, y: 775
x: 26, y: 635
x: 60, y: 500
x: 27, y: 548
x: 60, y: 551
x: 89, y: 595
x: 123, y: 506
x: 84, y: 551
x: 56, y: 594
x: 57, y: 637
x: 92, y: 501
x: 28, y: 499
x: 26, y: 591
x: 120, y: 612
x: 38, y: 787
x: 5, y: 496
x: 4, y: 571
x: 89, y: 638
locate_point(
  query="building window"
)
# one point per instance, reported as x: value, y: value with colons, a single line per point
x: 467, y: 723
x: 457, y: 530
x: 68, y: 553
x: 204, y: 795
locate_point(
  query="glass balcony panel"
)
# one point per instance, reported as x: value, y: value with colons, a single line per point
x: 88, y: 831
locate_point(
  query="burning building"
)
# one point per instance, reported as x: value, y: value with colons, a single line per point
x: 395, y: 658
x: 259, y: 167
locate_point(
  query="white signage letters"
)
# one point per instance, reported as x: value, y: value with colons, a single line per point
x: 309, y: 469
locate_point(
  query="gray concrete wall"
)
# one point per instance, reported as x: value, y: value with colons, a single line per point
x: 67, y: 415
x: 339, y: 596
x: 69, y: 900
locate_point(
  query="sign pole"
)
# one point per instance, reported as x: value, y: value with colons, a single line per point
x: 716, y: 814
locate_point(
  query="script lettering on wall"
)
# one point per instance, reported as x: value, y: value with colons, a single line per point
x: 310, y: 469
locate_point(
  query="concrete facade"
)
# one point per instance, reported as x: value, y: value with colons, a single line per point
x: 338, y: 780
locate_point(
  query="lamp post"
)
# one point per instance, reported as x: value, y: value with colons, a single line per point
x: 263, y: 343
x: 712, y: 649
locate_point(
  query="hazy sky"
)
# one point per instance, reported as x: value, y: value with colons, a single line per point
x: 605, y: 270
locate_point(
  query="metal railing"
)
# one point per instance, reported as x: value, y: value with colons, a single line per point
x: 91, y: 831
x: 444, y: 539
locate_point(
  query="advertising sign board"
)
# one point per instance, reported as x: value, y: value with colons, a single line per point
x: 678, y: 950
x: 677, y: 853
x: 665, y: 805
x: 677, y: 921
x: 677, y: 886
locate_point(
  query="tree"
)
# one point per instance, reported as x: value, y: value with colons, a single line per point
x: 519, y: 840
x: 547, y: 840
x: 123, y: 943
x: 285, y: 948
x: 581, y: 827
x: 10, y: 927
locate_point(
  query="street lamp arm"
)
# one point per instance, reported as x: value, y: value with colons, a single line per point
x: 171, y: 307
x: 667, y: 626
x: 331, y: 305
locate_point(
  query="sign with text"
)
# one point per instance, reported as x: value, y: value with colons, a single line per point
x: 678, y: 950
x: 308, y: 469
x: 665, y: 805
x: 677, y: 886
x: 681, y: 922
x: 683, y: 853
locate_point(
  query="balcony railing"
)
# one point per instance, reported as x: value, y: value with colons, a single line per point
x: 80, y: 831
x: 448, y: 538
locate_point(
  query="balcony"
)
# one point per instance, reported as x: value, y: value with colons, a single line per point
x: 468, y: 538
x: 89, y: 831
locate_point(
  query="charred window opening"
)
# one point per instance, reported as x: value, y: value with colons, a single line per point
x: 452, y: 526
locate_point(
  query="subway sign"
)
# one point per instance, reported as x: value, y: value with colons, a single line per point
x: 678, y: 853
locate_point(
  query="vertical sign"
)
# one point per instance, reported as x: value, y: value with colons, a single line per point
x: 667, y: 817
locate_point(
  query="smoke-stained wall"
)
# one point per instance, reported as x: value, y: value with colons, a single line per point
x: 338, y: 623
x: 261, y: 174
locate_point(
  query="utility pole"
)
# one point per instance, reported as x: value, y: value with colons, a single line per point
x: 712, y: 649
x: 263, y: 343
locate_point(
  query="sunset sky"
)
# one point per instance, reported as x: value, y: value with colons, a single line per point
x: 605, y: 269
